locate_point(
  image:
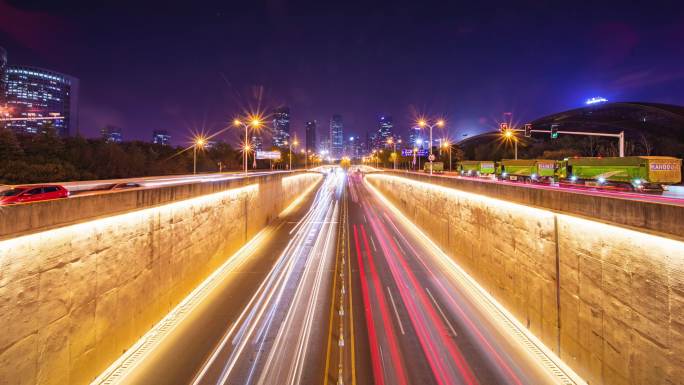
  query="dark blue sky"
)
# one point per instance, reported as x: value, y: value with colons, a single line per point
x: 187, y: 67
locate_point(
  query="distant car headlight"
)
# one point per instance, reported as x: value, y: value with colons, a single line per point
x: 504, y: 174
x: 573, y: 178
x: 601, y: 179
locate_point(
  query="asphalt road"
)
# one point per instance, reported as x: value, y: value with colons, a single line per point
x: 423, y: 324
x: 294, y: 251
x: 343, y: 290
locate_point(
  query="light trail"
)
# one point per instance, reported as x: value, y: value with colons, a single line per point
x: 456, y: 283
x: 274, y: 336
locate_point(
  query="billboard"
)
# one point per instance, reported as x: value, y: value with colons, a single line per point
x: 268, y: 155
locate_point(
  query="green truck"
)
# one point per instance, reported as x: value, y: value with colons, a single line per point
x: 527, y: 170
x: 437, y: 167
x: 639, y: 172
x: 476, y: 167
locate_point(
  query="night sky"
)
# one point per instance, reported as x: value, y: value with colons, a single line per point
x: 193, y: 67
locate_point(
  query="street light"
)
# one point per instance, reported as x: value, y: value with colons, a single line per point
x: 446, y: 143
x: 510, y: 135
x: 290, y: 144
x: 200, y: 142
x: 391, y: 141
x: 424, y: 123
x: 253, y: 121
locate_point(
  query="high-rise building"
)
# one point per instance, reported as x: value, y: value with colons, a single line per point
x: 354, y: 147
x: 111, y: 134
x: 281, y: 126
x: 414, y: 137
x: 385, y: 127
x: 310, y: 128
x: 256, y: 143
x: 336, y: 136
x: 161, y: 137
x: 39, y: 98
x: 3, y: 65
x: 324, y: 147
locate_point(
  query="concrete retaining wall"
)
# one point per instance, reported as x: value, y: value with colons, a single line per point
x: 81, y: 279
x: 609, y: 300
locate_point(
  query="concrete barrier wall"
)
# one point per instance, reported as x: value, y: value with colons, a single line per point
x: 79, y: 288
x: 609, y: 300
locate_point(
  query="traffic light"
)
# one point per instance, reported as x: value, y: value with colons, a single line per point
x: 503, y: 127
x: 554, y: 132
x: 528, y: 130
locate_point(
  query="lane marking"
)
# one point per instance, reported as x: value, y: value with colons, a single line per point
x: 396, y: 313
x: 399, y: 244
x: 373, y: 244
x: 453, y: 332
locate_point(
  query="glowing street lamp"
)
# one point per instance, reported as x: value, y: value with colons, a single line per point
x: 200, y: 142
x: 290, y: 144
x: 391, y: 141
x: 255, y: 122
x: 510, y: 135
x: 422, y: 123
x: 447, y: 144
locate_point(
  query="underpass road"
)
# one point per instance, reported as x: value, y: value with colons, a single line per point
x: 423, y: 328
x: 344, y: 291
x: 280, y: 337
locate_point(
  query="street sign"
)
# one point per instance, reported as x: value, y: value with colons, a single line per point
x: 409, y: 152
x: 268, y: 155
x: 431, y: 157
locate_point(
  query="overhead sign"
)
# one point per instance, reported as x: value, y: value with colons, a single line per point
x: 409, y: 152
x: 268, y: 155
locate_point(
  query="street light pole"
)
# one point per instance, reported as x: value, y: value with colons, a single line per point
x: 255, y: 122
x: 244, y: 155
x: 424, y: 123
x: 198, y: 142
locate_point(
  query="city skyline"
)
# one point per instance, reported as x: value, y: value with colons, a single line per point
x: 455, y: 58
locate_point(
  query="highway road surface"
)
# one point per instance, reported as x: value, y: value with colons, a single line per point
x: 343, y: 290
x: 425, y: 322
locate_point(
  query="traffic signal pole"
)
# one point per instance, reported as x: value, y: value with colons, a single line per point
x: 620, y: 136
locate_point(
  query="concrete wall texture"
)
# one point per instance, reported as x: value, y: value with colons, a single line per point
x: 74, y: 296
x: 608, y: 300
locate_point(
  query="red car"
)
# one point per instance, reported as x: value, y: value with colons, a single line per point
x: 23, y: 194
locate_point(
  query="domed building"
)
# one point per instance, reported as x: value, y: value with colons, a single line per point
x: 650, y: 129
x: 635, y: 118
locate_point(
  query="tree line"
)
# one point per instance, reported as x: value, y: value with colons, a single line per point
x: 47, y: 157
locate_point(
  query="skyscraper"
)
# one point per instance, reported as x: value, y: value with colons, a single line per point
x: 384, y: 132
x: 39, y: 96
x: 310, y: 128
x: 256, y: 143
x: 161, y: 137
x: 336, y: 137
x: 354, y: 147
x: 414, y: 135
x: 111, y: 134
x: 281, y: 126
x: 3, y: 65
